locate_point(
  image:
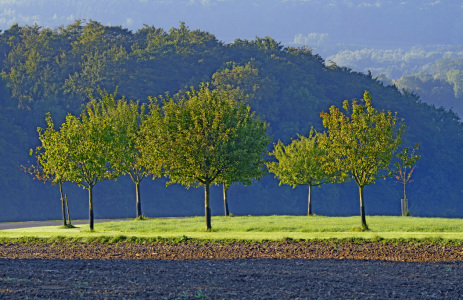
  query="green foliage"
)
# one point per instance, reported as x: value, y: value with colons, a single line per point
x: 361, y: 144
x: 149, y: 141
x: 242, y: 83
x: 299, y: 163
x: 30, y: 63
x: 404, y: 166
x: 240, y: 79
x: 52, y: 155
x: 86, y: 150
x: 209, y: 137
x: 91, y: 145
x: 126, y: 119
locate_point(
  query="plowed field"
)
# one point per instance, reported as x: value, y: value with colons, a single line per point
x: 272, y: 270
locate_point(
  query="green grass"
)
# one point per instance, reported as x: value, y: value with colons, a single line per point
x: 256, y: 228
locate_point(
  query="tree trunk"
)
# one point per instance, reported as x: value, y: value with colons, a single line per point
x: 207, y: 207
x: 67, y: 206
x: 90, y: 206
x: 225, y: 201
x: 62, y: 203
x: 402, y: 207
x: 405, y: 211
x: 137, y: 190
x: 362, y: 208
x: 309, y: 209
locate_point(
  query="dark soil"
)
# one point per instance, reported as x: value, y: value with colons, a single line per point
x: 273, y: 270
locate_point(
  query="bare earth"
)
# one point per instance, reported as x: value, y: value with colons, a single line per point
x: 272, y: 270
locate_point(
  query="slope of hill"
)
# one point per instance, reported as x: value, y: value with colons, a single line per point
x: 52, y: 70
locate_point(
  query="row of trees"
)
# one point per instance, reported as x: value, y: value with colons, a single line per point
x: 359, y: 144
x: 202, y: 137
x: 208, y: 136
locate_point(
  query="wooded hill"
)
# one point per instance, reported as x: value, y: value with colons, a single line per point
x: 433, y: 72
x: 54, y: 70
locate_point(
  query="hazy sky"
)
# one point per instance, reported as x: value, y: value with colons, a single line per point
x: 388, y: 23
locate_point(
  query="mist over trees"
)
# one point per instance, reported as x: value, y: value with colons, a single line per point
x: 432, y: 72
x: 56, y: 69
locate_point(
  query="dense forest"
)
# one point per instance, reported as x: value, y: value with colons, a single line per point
x: 57, y: 70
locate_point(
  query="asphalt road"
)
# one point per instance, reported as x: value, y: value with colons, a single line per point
x: 15, y: 225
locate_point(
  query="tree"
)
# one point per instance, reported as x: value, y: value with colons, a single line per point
x: 299, y: 163
x: 360, y: 145
x: 225, y: 189
x: 247, y: 163
x: 210, y: 138
x: 52, y: 162
x: 38, y: 173
x: 92, y: 149
x: 127, y: 119
x: 135, y: 166
x: 240, y: 81
x: 404, y: 168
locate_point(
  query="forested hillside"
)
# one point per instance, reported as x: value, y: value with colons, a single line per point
x: 54, y: 70
x: 432, y: 72
x: 440, y: 84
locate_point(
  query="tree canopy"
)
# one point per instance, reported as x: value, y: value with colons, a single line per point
x: 208, y: 137
x: 360, y: 144
x: 86, y: 150
x: 300, y: 163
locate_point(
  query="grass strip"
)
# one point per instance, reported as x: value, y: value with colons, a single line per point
x: 185, y: 239
x: 390, y: 229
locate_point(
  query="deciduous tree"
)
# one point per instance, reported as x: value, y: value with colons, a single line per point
x: 404, y: 167
x: 300, y: 163
x: 241, y: 83
x: 52, y: 162
x: 92, y: 149
x: 210, y: 138
x: 360, y: 143
x: 127, y: 119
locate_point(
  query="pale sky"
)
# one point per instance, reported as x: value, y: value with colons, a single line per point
x: 387, y: 23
